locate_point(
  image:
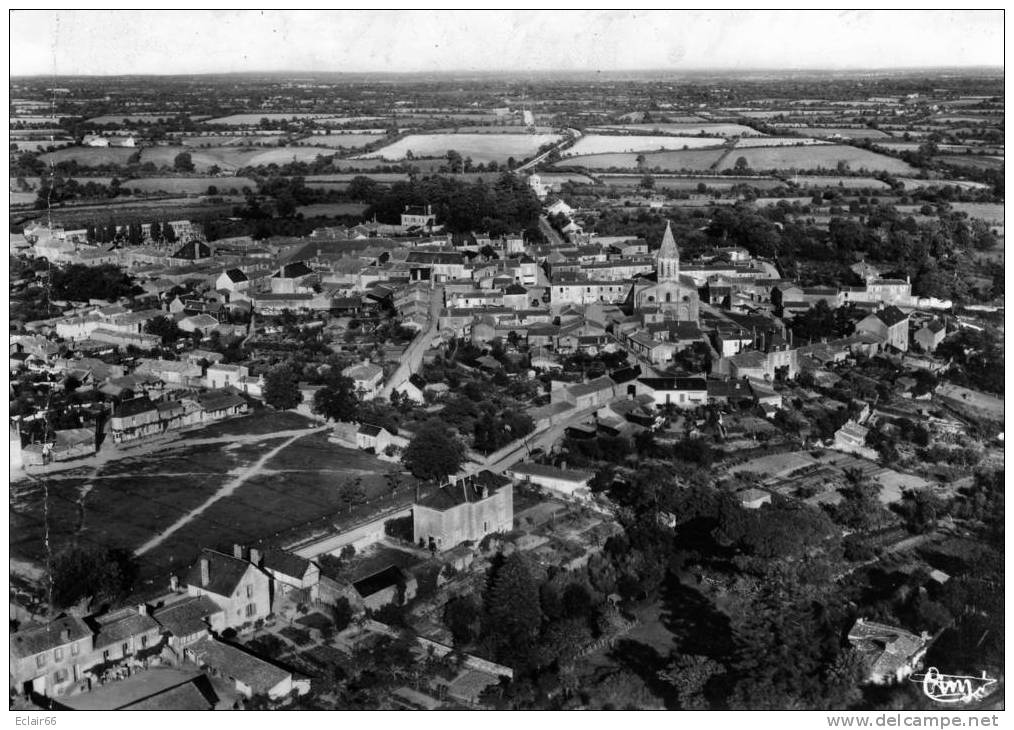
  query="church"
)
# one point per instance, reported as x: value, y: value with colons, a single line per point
x: 666, y: 295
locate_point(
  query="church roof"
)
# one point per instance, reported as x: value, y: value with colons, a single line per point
x: 668, y: 249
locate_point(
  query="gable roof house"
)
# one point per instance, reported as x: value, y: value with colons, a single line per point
x: 50, y: 659
x: 890, y: 653
x: 235, y: 584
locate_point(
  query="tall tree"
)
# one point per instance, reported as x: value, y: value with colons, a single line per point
x: 513, y: 612
x: 281, y: 390
x: 435, y: 453
x: 337, y: 401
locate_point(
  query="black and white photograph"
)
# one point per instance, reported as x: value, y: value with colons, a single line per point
x: 507, y: 360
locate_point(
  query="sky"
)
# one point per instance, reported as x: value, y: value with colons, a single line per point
x: 112, y: 42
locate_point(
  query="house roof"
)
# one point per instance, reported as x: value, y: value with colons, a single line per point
x: 256, y: 673
x: 689, y: 384
x: 286, y: 563
x: 115, y: 627
x: 218, y: 400
x: 236, y: 275
x: 186, y: 616
x: 368, y: 429
x: 58, y: 632
x: 551, y: 472
x: 891, y: 316
x: 389, y: 576
x: 885, y: 648
x: 464, y: 490
x: 134, y: 406
x: 293, y: 271
x: 226, y: 572
x: 158, y: 688
x: 752, y: 495
x: 592, y: 386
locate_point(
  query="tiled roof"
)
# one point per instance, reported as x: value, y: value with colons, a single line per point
x: 551, y: 472
x: 120, y: 625
x: 286, y: 563
x: 58, y: 632
x: 187, y: 616
x: 256, y: 673
x: 225, y: 572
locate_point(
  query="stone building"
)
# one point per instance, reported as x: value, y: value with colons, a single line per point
x: 468, y: 509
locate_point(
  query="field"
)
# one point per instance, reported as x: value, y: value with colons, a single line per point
x: 989, y: 212
x: 911, y: 183
x: 691, y: 182
x: 35, y: 119
x: 117, y: 118
x: 17, y: 198
x: 597, y: 144
x: 240, y: 120
x: 480, y: 147
x: 187, y: 185
x: 724, y: 130
x: 90, y: 156
x: 977, y: 162
x: 860, y: 133
x: 128, y: 502
x: 816, y: 181
x: 517, y: 128
x: 331, y: 209
x: 675, y: 160
x: 230, y: 140
x: 777, y: 142
x: 226, y: 158
x: 347, y: 141
x: 34, y: 145
x: 824, y: 157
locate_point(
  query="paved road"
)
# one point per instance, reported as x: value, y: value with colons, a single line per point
x: 413, y: 356
x: 554, y: 238
x: 566, y: 142
x: 541, y: 440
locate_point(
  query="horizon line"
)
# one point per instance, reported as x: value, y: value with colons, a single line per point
x: 504, y: 72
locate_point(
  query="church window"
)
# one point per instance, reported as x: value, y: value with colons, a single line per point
x: 668, y: 296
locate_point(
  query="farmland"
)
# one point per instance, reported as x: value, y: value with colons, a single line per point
x: 673, y: 161
x: 722, y: 130
x: 132, y: 118
x: 480, y: 147
x: 230, y: 140
x: 346, y: 141
x: 128, y: 502
x: 978, y: 162
x: 823, y: 157
x: 90, y: 156
x: 816, y: 181
x: 857, y: 133
x: 187, y: 185
x: 226, y: 158
x: 243, y: 120
x: 597, y: 144
x: 331, y: 209
x: 691, y: 182
x: 777, y: 141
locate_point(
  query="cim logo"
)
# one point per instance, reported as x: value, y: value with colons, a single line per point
x: 953, y: 688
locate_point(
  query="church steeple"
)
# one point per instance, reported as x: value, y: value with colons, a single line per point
x: 667, y: 262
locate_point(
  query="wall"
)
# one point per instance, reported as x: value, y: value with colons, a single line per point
x: 359, y: 537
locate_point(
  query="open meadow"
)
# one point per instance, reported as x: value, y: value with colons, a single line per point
x: 817, y: 157
x: 595, y: 144
x: 674, y: 161
x: 480, y: 147
x: 128, y: 503
x: 707, y: 128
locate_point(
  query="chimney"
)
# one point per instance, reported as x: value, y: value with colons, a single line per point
x: 237, y: 551
x: 205, y: 571
x: 64, y: 634
x: 255, y: 557
x: 174, y: 583
x: 142, y: 609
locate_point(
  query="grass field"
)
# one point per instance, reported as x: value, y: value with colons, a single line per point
x: 859, y: 133
x: 824, y: 157
x: 90, y: 156
x: 127, y: 502
x: 819, y: 181
x: 117, y: 118
x: 230, y: 140
x: 691, y: 182
x: 695, y: 160
x: 777, y: 142
x: 989, y: 212
x: 596, y: 144
x: 977, y: 162
x: 187, y: 185
x: 346, y: 141
x: 725, y: 130
x: 240, y: 120
x: 331, y: 209
x: 494, y: 129
x: 34, y: 145
x: 480, y: 147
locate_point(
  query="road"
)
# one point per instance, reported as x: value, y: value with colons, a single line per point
x: 554, y: 238
x: 575, y: 135
x: 541, y: 440
x: 413, y: 356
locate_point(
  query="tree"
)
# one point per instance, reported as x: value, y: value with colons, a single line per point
x: 183, y: 162
x: 281, y: 390
x: 513, y: 613
x: 461, y: 616
x: 434, y: 453
x: 741, y: 164
x: 352, y: 492
x: 337, y: 402
x: 648, y: 182
x: 81, y: 572
x: 168, y: 233
x: 454, y: 161
x: 155, y: 232
x: 164, y: 327
x: 341, y: 613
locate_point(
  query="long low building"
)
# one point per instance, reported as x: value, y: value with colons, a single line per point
x: 567, y: 482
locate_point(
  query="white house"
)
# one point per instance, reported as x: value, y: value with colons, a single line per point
x: 567, y: 482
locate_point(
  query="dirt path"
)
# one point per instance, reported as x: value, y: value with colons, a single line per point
x: 224, y: 491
